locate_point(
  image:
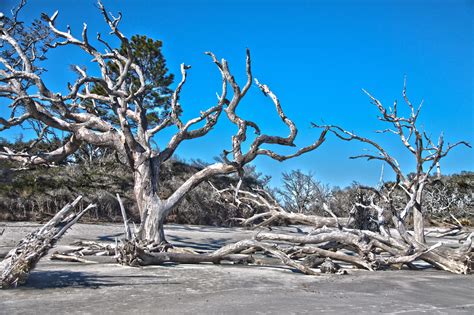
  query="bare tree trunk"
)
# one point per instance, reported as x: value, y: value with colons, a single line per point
x: 418, y: 220
x: 151, y: 207
x: 418, y: 223
x: 151, y: 227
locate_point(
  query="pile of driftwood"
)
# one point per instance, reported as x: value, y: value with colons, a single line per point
x: 18, y: 263
x: 330, y: 243
x: 332, y: 239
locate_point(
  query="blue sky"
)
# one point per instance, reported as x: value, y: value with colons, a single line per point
x: 316, y: 56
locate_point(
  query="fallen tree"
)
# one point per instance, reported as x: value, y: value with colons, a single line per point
x: 332, y: 238
x: 19, y: 262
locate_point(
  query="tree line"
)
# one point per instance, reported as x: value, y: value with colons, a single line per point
x: 36, y: 193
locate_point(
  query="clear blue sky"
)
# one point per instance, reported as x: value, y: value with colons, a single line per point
x: 316, y: 56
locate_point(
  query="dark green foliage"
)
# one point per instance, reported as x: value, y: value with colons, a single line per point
x: 37, y: 194
x: 37, y: 35
x: 343, y: 203
x: 147, y: 55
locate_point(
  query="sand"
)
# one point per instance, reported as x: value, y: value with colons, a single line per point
x: 105, y: 288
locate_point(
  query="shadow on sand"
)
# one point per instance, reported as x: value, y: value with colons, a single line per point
x: 208, y: 244
x: 74, y: 279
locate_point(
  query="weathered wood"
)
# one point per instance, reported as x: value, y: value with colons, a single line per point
x: 273, y: 210
x: 128, y: 232
x: 17, y: 265
x: 68, y: 258
x: 246, y: 244
x: 354, y: 260
x: 88, y: 249
x: 133, y: 253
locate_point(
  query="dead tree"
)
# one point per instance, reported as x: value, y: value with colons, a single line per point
x: 301, y: 193
x: 426, y: 154
x: 130, y: 133
x: 18, y: 263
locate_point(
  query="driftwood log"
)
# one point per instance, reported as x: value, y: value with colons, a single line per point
x: 133, y: 253
x: 19, y: 262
